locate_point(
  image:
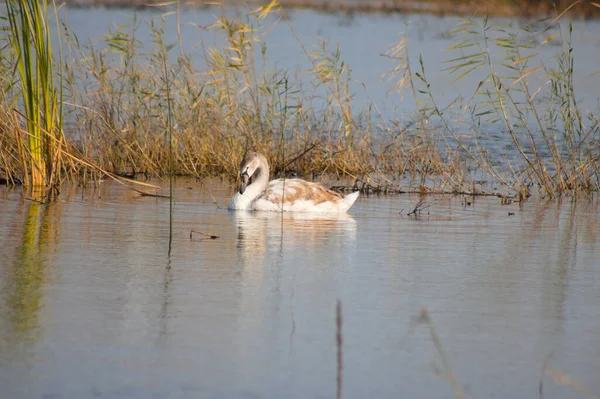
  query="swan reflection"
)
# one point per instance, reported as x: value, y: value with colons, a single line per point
x: 257, y: 232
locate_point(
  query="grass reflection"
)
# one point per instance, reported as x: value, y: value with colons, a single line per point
x: 24, y: 289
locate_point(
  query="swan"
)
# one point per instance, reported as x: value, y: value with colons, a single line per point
x: 287, y: 195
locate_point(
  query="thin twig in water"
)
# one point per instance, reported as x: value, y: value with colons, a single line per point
x: 293, y: 320
x: 440, y: 349
x: 418, y: 207
x: 211, y: 236
x: 145, y: 194
x: 339, y: 341
x: 542, y: 372
x: 211, y: 195
x: 559, y: 377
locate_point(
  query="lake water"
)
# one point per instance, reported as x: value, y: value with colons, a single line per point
x: 93, y: 305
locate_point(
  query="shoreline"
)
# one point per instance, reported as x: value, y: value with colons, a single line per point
x: 530, y: 8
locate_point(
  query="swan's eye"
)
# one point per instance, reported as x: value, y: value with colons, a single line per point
x: 247, y: 172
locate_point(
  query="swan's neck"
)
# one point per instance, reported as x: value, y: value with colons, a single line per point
x: 260, y: 180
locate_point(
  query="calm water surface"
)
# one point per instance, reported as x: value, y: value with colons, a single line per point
x: 92, y: 305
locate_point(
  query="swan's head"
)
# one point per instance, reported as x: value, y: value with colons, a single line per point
x: 252, y: 162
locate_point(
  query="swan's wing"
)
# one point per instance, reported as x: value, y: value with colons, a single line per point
x: 288, y: 191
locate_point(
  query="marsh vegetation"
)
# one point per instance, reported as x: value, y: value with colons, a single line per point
x: 126, y: 109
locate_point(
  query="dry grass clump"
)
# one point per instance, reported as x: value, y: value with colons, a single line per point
x: 119, y: 102
x: 556, y: 144
x: 9, y: 165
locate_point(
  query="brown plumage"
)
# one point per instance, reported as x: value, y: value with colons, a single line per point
x: 296, y: 189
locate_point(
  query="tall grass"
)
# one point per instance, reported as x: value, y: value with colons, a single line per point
x: 557, y: 146
x: 232, y: 105
x: 32, y: 48
x: 143, y: 110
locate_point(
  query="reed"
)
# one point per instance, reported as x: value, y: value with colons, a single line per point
x: 9, y: 173
x: 137, y: 110
x: 233, y: 105
x: 556, y: 144
x: 32, y: 48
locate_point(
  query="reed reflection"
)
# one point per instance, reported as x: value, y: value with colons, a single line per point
x: 23, y: 289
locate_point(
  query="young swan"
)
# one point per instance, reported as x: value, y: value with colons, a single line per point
x: 288, y: 195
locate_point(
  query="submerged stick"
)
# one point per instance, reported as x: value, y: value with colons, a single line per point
x: 211, y: 236
x: 418, y: 207
x: 145, y: 194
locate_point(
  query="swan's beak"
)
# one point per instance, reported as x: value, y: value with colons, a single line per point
x: 245, y: 179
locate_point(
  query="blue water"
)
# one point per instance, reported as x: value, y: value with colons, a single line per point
x: 93, y: 305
